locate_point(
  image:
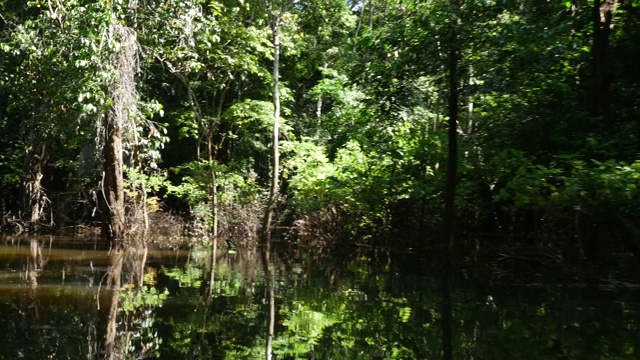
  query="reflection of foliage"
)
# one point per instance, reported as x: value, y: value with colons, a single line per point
x: 189, y: 276
x: 380, y: 327
x: 229, y: 333
x: 547, y: 331
x: 371, y: 311
x: 228, y: 282
x: 61, y: 323
x: 145, y: 297
x: 304, y: 328
x: 137, y: 306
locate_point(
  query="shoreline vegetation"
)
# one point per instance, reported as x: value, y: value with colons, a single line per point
x: 331, y: 123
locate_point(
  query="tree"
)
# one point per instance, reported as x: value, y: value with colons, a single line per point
x: 44, y: 44
x: 276, y: 13
x: 600, y: 91
x: 450, y: 189
x: 84, y: 67
x: 122, y: 91
x: 209, y: 55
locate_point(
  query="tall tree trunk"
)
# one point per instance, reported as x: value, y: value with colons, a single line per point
x: 469, y: 127
x: 123, y: 93
x: 600, y: 92
x: 325, y: 65
x: 213, y: 157
x: 448, y: 240
x: 214, y: 209
x: 370, y: 15
x: 275, y: 160
x: 34, y: 198
x: 362, y: 7
x: 113, y: 181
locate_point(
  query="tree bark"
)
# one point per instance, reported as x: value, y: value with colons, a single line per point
x: 325, y: 65
x: 113, y: 181
x: 600, y: 92
x: 360, y: 19
x: 34, y: 198
x: 123, y: 94
x: 275, y: 159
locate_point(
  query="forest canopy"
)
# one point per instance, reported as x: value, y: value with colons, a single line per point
x: 329, y: 118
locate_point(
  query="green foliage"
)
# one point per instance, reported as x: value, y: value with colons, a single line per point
x: 195, y: 186
x: 145, y: 187
x: 307, y: 170
x: 228, y: 282
x: 260, y: 112
x: 137, y: 306
x: 365, y: 92
x: 142, y: 299
x: 304, y: 329
x: 598, y: 186
x: 569, y: 183
x: 190, y: 276
x: 347, y: 182
x: 136, y: 180
x: 190, y: 189
x: 530, y: 185
x: 10, y: 177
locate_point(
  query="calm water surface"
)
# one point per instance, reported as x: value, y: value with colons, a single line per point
x: 69, y: 298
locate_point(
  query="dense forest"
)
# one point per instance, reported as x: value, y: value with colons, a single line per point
x: 324, y: 120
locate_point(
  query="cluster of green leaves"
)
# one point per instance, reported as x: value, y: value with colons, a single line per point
x: 569, y: 183
x: 137, y: 308
x: 142, y: 299
x: 188, y: 276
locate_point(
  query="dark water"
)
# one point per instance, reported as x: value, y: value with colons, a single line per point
x: 59, y: 299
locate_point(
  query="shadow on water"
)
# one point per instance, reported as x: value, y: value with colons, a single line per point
x: 63, y: 298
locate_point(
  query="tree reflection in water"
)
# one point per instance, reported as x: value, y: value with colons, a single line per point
x: 130, y: 329
x: 350, y: 306
x: 114, y: 283
x: 265, y: 255
x: 33, y: 268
